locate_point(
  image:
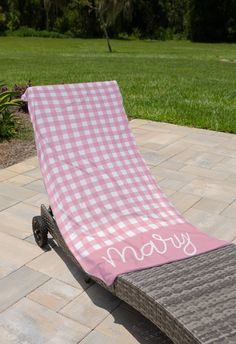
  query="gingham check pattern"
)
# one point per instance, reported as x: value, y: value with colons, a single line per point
x: 100, y: 189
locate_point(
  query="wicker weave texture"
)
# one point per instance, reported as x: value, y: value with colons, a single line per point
x: 192, y: 301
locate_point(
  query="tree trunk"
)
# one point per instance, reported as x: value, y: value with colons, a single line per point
x: 103, y: 27
x: 47, y: 20
x: 47, y: 5
x: 108, y: 39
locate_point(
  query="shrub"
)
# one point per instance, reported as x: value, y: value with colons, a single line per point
x: 136, y: 33
x: 8, y: 106
x: 18, y: 91
x: 25, y: 31
x: 123, y: 36
x: 163, y: 34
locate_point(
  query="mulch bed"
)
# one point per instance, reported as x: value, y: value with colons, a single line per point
x: 17, y: 150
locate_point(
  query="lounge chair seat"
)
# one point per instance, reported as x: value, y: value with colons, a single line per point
x: 192, y: 301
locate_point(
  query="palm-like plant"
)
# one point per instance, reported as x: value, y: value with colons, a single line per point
x: 107, y: 11
x: 8, y: 105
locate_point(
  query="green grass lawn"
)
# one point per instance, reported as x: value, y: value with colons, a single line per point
x: 175, y: 81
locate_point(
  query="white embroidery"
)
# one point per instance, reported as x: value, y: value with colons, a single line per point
x: 160, y: 246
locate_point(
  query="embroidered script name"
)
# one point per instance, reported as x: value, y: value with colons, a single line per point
x: 158, y: 245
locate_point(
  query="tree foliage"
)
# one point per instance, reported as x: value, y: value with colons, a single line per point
x: 212, y: 20
x: 199, y: 20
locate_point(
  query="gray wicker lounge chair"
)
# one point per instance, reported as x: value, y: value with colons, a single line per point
x: 192, y: 301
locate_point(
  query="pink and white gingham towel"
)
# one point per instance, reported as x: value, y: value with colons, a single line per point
x: 108, y: 207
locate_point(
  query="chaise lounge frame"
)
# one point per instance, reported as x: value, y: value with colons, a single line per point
x: 192, y: 301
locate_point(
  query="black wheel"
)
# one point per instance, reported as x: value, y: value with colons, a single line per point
x: 40, y: 231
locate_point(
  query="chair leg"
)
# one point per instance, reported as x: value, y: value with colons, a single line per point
x: 87, y: 279
x: 40, y: 231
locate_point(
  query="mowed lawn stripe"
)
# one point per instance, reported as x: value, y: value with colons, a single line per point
x: 174, y: 81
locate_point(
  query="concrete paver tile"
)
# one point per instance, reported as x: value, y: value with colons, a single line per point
x: 205, y: 160
x: 159, y: 125
x: 21, y: 167
x: 17, y: 220
x: 204, y: 172
x: 228, y: 136
x: 228, y: 149
x: 183, y: 201
x: 177, y: 129
x: 229, y: 162
x: 51, y: 264
x: 153, y: 126
x: 97, y: 337
x: 14, y: 253
x: 37, y: 200
x: 141, y: 139
x: 164, y: 138
x: 91, y: 307
x: 136, y: 123
x: 159, y: 171
x: 158, y: 179
x: 152, y: 158
x: 150, y: 146
x: 18, y: 192
x: 35, y: 173
x: 33, y: 161
x: 29, y: 322
x: 168, y: 192
x: 216, y: 225
x: 6, y: 174
x: 187, y: 154
x: 31, y: 239
x: 205, y: 132
x: 21, y: 180
x: 54, y: 294
x: 211, y: 205
x: 231, y: 178
x: 205, y: 139
x: 37, y: 186
x: 173, y: 149
x: 125, y: 325
x: 6, y: 202
x: 171, y: 184
x: 172, y: 164
x: 139, y: 131
x: 227, y: 169
x: 230, y: 211
x: 209, y: 188
x: 198, y: 147
x: 18, y: 284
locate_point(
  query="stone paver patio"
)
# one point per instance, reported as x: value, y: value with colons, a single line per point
x: 43, y: 297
